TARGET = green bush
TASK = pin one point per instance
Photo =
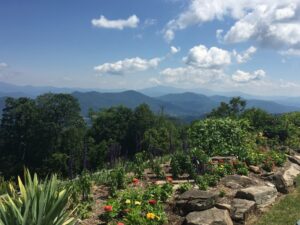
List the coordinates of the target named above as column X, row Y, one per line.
column 223, row 137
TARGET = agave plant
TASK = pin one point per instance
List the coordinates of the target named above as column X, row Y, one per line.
column 38, row 203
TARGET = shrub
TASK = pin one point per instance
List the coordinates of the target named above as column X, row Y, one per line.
column 38, row 203
column 222, row 137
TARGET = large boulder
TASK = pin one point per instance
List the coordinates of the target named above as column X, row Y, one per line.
column 195, row 200
column 212, row 216
column 262, row 195
column 237, row 181
column 241, row 209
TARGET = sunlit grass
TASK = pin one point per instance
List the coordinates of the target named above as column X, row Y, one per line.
column 285, row 212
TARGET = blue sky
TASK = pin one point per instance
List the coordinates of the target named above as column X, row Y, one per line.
column 236, row 45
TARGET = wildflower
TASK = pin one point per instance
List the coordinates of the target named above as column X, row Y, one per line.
column 150, row 216
column 108, row 208
column 135, row 181
column 152, row 202
column 137, row 203
column 127, row 201
column 169, row 179
column 120, row 223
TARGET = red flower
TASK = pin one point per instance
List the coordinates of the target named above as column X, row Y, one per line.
column 108, row 208
column 135, row 180
column 152, row 202
column 120, row 223
column 169, row 179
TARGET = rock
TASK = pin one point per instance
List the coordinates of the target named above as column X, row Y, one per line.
column 237, row 181
column 195, row 200
column 255, row 169
column 290, row 174
column 262, row 195
column 279, row 182
column 212, row 216
column 241, row 209
column 223, row 206
column 295, row 159
column 222, row 159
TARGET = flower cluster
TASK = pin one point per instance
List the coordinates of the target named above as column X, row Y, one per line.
column 137, row 204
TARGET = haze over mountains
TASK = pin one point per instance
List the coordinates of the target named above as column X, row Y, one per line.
column 187, row 104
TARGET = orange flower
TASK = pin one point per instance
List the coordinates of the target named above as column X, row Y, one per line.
column 152, row 202
column 108, row 208
column 120, row 223
column 135, row 181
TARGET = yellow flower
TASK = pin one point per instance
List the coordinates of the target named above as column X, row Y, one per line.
column 137, row 203
column 150, row 216
column 127, row 201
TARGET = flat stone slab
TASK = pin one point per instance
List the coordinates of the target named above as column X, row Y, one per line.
column 195, row 200
column 241, row 209
column 212, row 216
column 262, row 195
column 237, row 181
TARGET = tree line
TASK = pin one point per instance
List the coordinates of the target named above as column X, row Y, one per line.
column 49, row 135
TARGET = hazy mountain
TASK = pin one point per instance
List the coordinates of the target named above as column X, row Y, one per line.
column 174, row 101
column 197, row 104
column 131, row 99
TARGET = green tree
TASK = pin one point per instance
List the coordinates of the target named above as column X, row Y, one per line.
column 232, row 109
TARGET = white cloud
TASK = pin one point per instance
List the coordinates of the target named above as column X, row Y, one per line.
column 120, row 24
column 174, row 50
column 271, row 23
column 3, row 65
column 191, row 75
column 244, row 56
column 245, row 77
column 154, row 81
column 149, row 22
column 201, row 56
column 127, row 66
column 291, row 51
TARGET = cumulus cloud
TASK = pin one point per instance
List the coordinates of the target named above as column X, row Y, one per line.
column 244, row 56
column 245, row 77
column 201, row 56
column 120, row 24
column 127, row 66
column 272, row 23
column 174, row 50
column 3, row 65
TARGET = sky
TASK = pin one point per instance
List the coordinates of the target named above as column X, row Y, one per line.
column 251, row 46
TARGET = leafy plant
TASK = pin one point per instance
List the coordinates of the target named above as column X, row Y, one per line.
column 39, row 203
column 184, row 187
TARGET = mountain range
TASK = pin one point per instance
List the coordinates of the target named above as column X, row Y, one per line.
column 176, row 102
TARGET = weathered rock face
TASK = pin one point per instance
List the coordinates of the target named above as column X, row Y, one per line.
column 241, row 209
column 290, row 174
column 212, row 216
column 295, row 159
column 195, row 200
column 279, row 182
column 237, row 181
column 255, row 169
column 262, row 195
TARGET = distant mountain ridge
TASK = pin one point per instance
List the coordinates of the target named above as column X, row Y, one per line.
column 176, row 103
